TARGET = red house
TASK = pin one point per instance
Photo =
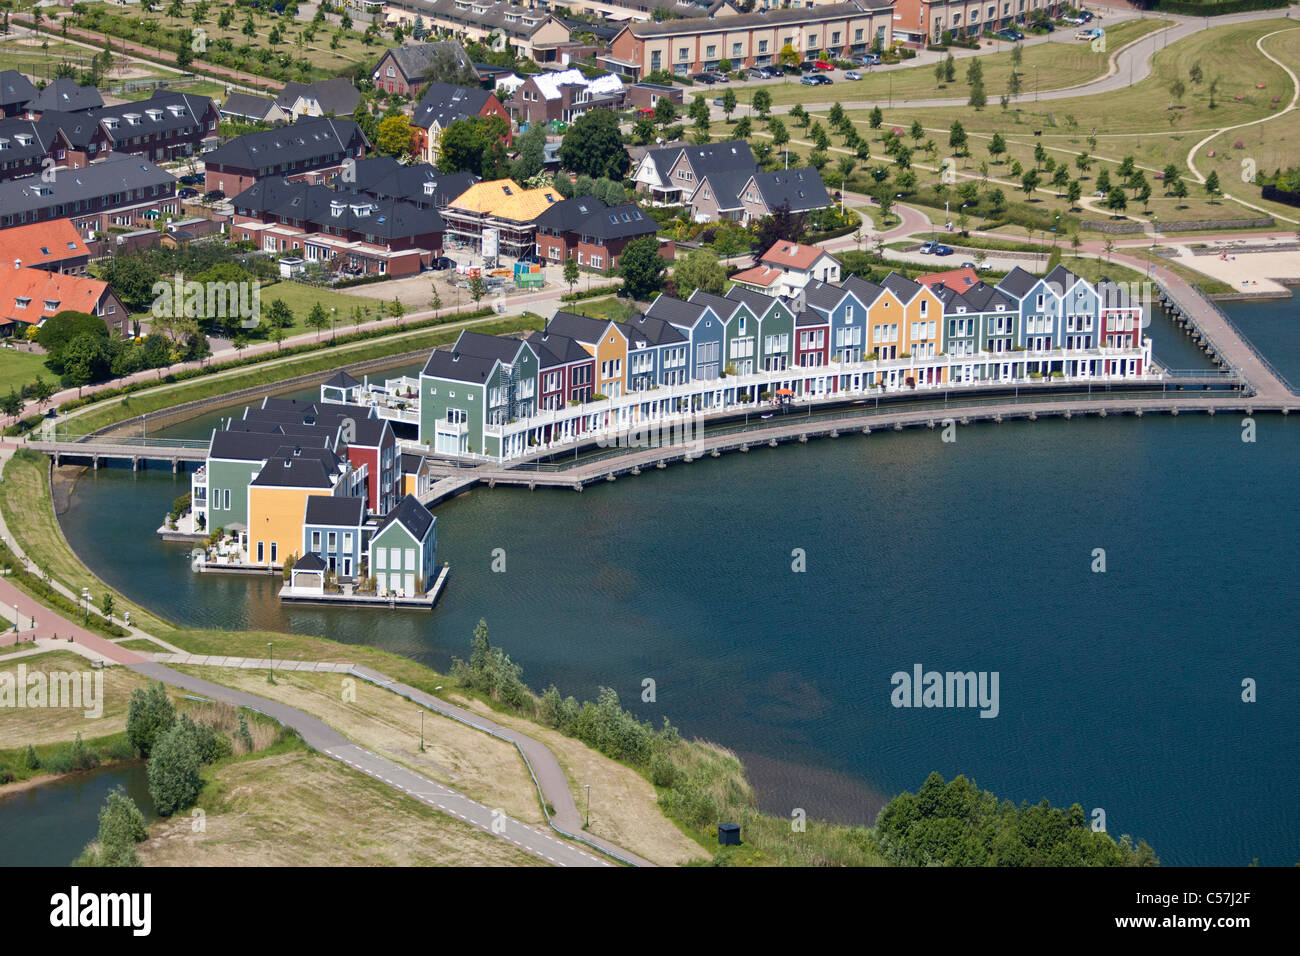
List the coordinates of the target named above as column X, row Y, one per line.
column 565, row 372
column 1120, row 326
column 812, row 339
column 596, row 234
column 373, row 445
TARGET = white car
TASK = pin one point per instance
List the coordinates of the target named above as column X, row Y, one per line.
column 852, row 75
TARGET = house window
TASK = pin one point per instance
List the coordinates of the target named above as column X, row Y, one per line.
column 683, row 53
column 381, row 559
column 315, row 540
column 333, row 540
column 735, row 49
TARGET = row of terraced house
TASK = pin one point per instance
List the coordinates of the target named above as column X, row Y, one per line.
column 502, row 397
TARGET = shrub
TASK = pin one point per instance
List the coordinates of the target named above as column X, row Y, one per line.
column 149, row 714
column 174, row 781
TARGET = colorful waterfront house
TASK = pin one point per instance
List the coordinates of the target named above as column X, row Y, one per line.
column 812, row 335
column 372, row 445
column 466, row 391
column 277, row 501
column 1079, row 310
column 219, row 489
column 418, row 477
column 1040, row 309
column 333, row 530
column 658, row 353
column 845, row 310
column 776, row 328
column 978, row 319
column 604, row 340
column 403, row 550
column 740, row 346
column 566, row 370
column 341, row 388
column 921, row 326
column 1119, row 323
column 706, row 334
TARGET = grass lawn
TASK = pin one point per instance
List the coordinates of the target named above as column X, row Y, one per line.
column 304, row 809
column 143, row 644
column 110, row 411
column 1058, row 65
column 18, row 367
column 47, row 725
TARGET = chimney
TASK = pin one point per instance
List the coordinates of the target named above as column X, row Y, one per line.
column 18, row 263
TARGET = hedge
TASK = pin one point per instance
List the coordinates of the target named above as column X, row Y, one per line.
column 1215, row 8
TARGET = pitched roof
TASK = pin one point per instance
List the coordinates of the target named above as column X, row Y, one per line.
column 120, row 173
column 444, row 103
column 643, row 331
column 342, row 379
column 1114, row 295
column 801, row 189
column 758, row 303
column 722, row 307
column 311, row 561
column 902, row 286
column 726, row 186
column 66, row 96
column 164, row 113
column 1018, row 282
column 867, row 292
column 247, row 105
column 414, row 59
column 33, row 295
column 590, row 216
column 38, row 243
column 554, row 349
column 958, row 279
column 758, row 275
column 678, row 312
column 411, row 515
column 319, row 206
column 335, row 95
column 294, row 472
column 1061, row 278
column 792, row 255
column 473, row 357
column 23, row 140
column 506, row 199
column 15, row 89
column 323, row 139
column 582, row 328
column 346, row 511
column 548, row 84
column 740, row 21
column 732, row 155
column 823, row 295
column 418, row 183
column 241, row 444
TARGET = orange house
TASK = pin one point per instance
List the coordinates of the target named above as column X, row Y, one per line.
column 603, row 340
column 277, row 501
column 920, row 323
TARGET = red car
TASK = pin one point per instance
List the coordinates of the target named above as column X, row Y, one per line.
column 823, row 65
column 645, row 111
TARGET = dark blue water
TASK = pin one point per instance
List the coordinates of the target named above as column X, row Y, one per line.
column 51, row 824
column 1119, row 690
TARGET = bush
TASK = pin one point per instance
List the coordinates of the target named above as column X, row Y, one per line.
column 149, row 714
column 121, row 827
column 174, row 781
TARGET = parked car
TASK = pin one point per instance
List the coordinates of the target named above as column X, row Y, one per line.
column 869, row 59
column 823, row 65
column 816, row 79
column 645, row 111
column 760, row 73
column 1015, row 36
column 191, row 180
column 215, row 195
column 808, row 66
column 442, row 262
column 928, row 248
column 187, row 193
column 720, row 76
column 704, row 78
column 853, row 75
column 941, row 250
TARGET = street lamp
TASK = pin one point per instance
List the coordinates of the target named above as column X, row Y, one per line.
column 270, row 674
column 85, row 596
column 421, row 731
column 588, row 823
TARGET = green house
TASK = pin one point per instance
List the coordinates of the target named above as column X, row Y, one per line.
column 481, row 382
column 402, row 555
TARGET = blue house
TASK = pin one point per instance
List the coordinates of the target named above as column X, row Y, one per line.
column 704, row 330
column 1040, row 310
column 657, row 353
column 333, row 530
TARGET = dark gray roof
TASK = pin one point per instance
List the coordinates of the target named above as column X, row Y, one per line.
column 1018, row 282
column 335, row 95
column 41, row 137
column 289, row 472
column 411, row 515
column 902, row 286
column 15, row 89
column 164, row 114
column 345, row 512
column 809, row 317
column 247, row 105
column 310, row 561
column 983, row 297
column 867, row 292
column 678, row 312
column 414, row 59
column 722, row 307
column 1114, row 295
column 1061, row 279
column 316, row 205
column 66, row 96
column 342, row 379
column 323, row 140
column 800, row 189
column 418, row 183
column 644, row 331
column 446, row 104
column 758, row 303
column 411, row 462
column 580, row 327
column 554, row 349
column 726, row 186
column 473, row 357
column 733, row 155
column 823, row 295
column 120, row 173
column 369, row 432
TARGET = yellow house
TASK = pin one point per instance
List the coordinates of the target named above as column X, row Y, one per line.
column 918, row 313
column 277, row 501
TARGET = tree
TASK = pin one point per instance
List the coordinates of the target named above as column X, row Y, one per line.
column 106, row 605
column 799, row 115
column 173, row 771
column 1016, row 168
column 957, row 138
column 121, row 827
column 593, row 145
column 820, row 138
column 917, row 132
column 1138, row 181
column 975, row 72
column 11, row 404
column 278, row 317
column 977, row 97
column 642, row 269
column 1196, row 74
column 571, row 272
column 1212, row 89
column 1061, row 180
column 744, row 129
column 1014, row 84
column 837, row 118
column 728, row 103
column 779, row 134
column 782, row 225
column 476, row 288
column 532, row 146
column 318, row 319
column 699, row 269
column 42, row 391
column 1040, row 155
column 1126, row 167
column 949, row 69
column 1212, row 188
column 1170, row 175
column 1144, row 194
column 475, row 145
column 1083, row 161
column 762, row 102
column 1116, row 200
column 1074, row 192
column 1103, row 181
column 940, row 74
column 149, row 713
column 1017, row 56
column 1029, row 182
column 240, row 342
column 393, row 136
column 1177, row 88
column 875, row 118
column 1180, row 190
column 997, row 146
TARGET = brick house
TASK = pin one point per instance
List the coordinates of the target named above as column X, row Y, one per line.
column 311, row 149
